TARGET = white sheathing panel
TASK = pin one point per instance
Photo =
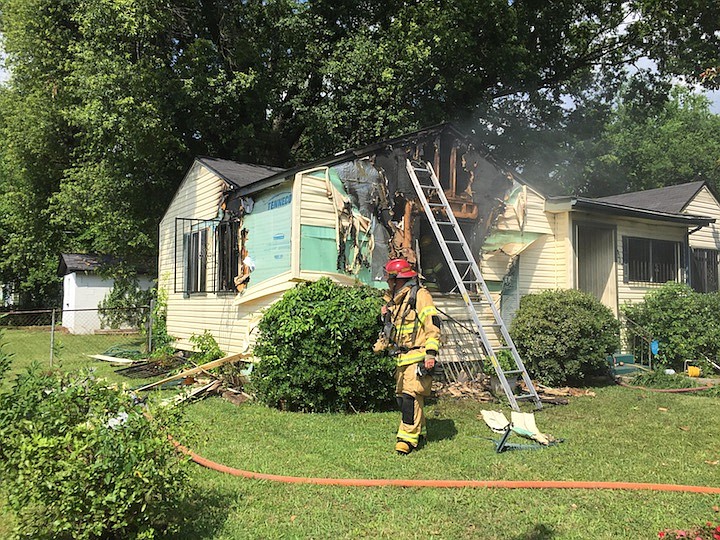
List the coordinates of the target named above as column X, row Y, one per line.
column 705, row 204
column 635, row 292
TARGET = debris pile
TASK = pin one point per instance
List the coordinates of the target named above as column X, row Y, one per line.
column 481, row 389
column 199, row 381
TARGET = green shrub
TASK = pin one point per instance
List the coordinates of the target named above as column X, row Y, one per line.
column 161, row 341
column 564, row 336
column 315, row 350
column 206, row 348
column 80, row 460
column 660, row 379
column 124, row 306
column 684, row 322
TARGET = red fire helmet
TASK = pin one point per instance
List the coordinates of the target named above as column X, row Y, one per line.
column 399, row 268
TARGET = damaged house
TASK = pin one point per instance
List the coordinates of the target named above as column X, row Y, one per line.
column 236, row 236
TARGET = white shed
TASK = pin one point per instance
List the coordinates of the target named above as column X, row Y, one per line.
column 83, row 290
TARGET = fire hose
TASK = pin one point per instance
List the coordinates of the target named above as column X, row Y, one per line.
column 414, row 483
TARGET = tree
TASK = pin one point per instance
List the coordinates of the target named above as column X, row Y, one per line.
column 118, row 97
column 679, row 143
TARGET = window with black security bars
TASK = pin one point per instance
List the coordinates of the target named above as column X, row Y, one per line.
column 704, row 270
column 228, row 254
column 648, row 260
column 194, row 256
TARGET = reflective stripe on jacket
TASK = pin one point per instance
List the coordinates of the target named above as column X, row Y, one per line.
column 414, row 331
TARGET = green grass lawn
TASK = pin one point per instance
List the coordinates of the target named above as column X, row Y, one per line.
column 70, row 351
column 619, row 435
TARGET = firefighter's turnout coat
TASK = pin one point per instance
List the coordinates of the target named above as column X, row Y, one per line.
column 411, row 329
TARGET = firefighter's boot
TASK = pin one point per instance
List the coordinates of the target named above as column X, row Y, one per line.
column 403, row 448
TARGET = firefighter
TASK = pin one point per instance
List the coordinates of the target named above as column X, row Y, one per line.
column 411, row 331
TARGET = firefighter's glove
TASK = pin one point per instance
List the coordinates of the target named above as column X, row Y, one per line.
column 428, row 365
column 429, row 362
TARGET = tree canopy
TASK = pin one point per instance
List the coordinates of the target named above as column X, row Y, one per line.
column 109, row 101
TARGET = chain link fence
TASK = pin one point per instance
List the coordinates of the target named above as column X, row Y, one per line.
column 49, row 335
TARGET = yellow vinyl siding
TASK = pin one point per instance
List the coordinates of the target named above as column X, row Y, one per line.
column 704, row 204
column 316, row 207
column 228, row 317
column 635, row 292
column 537, row 220
column 198, row 197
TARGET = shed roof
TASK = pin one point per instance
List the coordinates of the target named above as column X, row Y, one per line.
column 82, row 262
column 92, row 262
column 671, row 199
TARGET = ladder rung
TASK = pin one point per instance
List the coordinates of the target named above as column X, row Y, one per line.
column 477, row 295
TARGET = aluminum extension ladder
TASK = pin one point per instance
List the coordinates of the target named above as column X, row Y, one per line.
column 466, row 274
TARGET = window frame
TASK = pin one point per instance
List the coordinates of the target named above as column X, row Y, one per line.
column 227, row 235
column 699, row 275
column 651, row 266
column 195, row 260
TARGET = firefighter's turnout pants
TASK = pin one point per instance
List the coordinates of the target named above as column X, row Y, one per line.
column 410, row 391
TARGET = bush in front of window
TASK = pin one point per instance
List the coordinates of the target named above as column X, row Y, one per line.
column 564, row 336
column 315, row 350
column 684, row 323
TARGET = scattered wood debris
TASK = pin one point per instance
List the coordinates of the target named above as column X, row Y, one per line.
column 476, row 390
column 199, row 369
column 192, row 392
column 480, row 390
column 565, row 391
column 236, row 397
column 150, row 368
column 113, row 359
column 199, row 382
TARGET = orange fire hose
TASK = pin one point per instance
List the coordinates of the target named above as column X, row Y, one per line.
column 665, row 390
column 511, row 484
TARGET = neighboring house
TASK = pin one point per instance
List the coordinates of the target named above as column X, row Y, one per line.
column 701, row 259
column 344, row 217
column 83, row 290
